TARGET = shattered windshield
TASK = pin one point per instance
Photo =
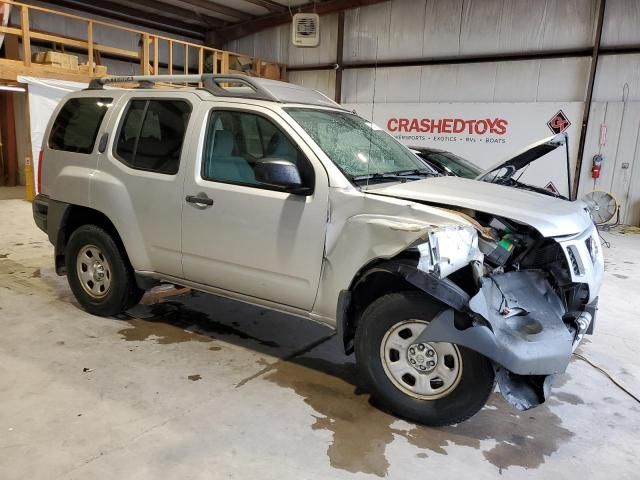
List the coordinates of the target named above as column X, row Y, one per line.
column 359, row 148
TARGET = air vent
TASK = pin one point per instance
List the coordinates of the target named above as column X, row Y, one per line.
column 305, row 31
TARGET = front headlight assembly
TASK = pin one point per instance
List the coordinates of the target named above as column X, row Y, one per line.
column 449, row 249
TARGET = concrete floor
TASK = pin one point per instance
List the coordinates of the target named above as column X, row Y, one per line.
column 9, row 193
column 201, row 387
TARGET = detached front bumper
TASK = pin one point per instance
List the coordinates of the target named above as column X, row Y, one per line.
column 516, row 320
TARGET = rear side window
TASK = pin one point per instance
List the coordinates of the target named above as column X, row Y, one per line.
column 76, row 126
column 151, row 135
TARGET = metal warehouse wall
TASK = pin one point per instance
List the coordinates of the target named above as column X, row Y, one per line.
column 411, row 29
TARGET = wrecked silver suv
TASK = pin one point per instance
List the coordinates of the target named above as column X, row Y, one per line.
column 272, row 194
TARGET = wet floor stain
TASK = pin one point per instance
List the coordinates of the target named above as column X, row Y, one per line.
column 361, row 432
column 568, row 398
column 624, row 277
column 173, row 322
column 195, row 377
column 36, row 273
column 215, row 349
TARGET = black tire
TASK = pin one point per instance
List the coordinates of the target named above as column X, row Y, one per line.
column 123, row 292
column 476, row 379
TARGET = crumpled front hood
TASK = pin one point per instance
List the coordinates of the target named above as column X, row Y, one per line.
column 552, row 217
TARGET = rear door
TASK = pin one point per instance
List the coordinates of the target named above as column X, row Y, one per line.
column 138, row 184
column 250, row 238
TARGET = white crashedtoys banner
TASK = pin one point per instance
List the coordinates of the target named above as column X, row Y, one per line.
column 485, row 133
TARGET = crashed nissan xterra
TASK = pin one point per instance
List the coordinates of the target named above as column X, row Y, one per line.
column 273, row 194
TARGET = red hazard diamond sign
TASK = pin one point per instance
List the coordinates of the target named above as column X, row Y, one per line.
column 559, row 122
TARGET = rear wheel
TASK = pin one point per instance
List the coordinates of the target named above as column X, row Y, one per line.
column 99, row 272
column 434, row 383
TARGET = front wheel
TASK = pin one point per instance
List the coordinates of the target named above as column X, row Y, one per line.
column 99, row 272
column 434, row 383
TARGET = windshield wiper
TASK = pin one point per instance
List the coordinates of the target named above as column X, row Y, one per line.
column 416, row 172
column 392, row 175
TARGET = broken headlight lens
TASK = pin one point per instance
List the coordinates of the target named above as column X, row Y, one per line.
column 448, row 249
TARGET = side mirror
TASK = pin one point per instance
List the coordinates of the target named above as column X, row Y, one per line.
column 280, row 173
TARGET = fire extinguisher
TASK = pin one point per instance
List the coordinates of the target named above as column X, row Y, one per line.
column 596, row 167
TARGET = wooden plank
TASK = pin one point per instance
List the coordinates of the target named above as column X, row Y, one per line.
column 11, row 30
column 26, row 39
column 170, row 61
column 186, row 59
column 200, row 61
column 224, row 67
column 156, row 54
column 72, row 42
column 214, row 62
column 117, row 51
column 90, row 47
column 144, row 55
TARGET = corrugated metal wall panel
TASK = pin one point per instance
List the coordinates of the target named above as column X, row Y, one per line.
column 621, row 23
column 536, row 80
column 614, row 72
column 428, row 28
column 323, row 81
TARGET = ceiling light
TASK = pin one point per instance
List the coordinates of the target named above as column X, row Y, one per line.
column 12, row 88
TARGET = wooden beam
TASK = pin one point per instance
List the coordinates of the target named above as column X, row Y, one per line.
column 216, row 8
column 252, row 26
column 90, row 47
column 156, row 54
column 116, row 11
column 26, row 39
column 273, row 7
column 170, row 60
column 144, row 54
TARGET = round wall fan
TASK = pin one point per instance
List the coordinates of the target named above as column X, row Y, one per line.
column 602, row 206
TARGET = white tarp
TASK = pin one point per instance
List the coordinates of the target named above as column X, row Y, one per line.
column 5, row 11
column 484, row 133
column 44, row 96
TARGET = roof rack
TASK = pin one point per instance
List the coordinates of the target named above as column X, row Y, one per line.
column 210, row 82
column 256, row 88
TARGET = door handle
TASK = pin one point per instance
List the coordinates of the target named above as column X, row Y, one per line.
column 200, row 200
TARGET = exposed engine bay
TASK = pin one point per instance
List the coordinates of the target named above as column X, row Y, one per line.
column 513, row 295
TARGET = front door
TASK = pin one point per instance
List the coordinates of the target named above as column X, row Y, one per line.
column 243, row 236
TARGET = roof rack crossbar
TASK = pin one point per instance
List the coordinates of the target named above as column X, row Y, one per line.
column 211, row 82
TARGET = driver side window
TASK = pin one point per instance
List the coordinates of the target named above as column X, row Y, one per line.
column 235, row 141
